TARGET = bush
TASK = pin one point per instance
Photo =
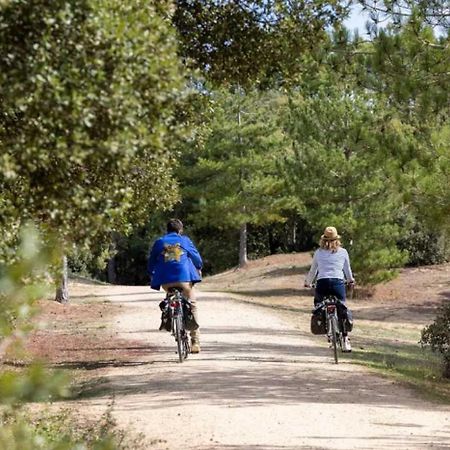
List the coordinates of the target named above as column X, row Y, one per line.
column 437, row 336
column 424, row 247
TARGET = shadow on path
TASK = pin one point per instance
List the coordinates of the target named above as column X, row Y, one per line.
column 256, row 374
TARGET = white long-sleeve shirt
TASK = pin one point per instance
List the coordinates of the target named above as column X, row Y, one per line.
column 326, row 264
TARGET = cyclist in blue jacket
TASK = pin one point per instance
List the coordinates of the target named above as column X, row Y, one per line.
column 175, row 262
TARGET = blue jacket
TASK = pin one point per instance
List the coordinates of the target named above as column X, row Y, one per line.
column 173, row 258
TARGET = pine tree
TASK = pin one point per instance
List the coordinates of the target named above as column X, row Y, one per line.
column 410, row 74
column 341, row 169
column 365, row 128
column 235, row 179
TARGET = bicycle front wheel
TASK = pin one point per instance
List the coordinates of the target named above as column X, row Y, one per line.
column 334, row 331
column 179, row 337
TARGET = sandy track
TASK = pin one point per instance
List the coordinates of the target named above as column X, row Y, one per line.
column 259, row 383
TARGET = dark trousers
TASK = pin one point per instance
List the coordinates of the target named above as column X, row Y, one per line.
column 329, row 286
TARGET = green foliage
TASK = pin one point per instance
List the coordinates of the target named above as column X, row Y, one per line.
column 423, row 246
column 434, row 13
column 437, row 336
column 90, row 262
column 89, row 135
column 235, row 178
column 219, row 248
column 430, row 194
column 411, row 67
column 63, row 430
column 368, row 127
column 92, row 92
column 341, row 169
column 130, row 257
column 35, row 384
column 294, row 235
column 410, row 71
column 22, row 283
column 369, row 131
column 245, row 42
column 124, row 259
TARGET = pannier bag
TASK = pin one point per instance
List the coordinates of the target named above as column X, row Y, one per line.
column 318, row 325
column 166, row 320
column 346, row 316
column 318, row 321
column 189, row 320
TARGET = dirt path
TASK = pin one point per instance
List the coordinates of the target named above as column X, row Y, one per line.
column 259, row 383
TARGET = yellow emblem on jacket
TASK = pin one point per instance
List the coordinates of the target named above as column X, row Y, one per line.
column 172, row 252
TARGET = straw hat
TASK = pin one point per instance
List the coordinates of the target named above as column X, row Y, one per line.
column 330, row 234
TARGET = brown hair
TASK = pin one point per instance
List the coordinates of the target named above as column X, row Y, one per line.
column 175, row 225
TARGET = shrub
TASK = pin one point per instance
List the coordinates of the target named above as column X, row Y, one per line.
column 424, row 247
column 437, row 336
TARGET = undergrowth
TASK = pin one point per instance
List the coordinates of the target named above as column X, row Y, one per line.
column 64, row 430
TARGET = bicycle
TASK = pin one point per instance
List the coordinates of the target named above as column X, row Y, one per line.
column 172, row 305
column 333, row 324
column 331, row 316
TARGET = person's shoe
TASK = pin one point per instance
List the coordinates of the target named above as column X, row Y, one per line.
column 195, row 347
column 347, row 347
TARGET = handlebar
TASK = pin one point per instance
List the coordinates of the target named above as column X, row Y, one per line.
column 347, row 283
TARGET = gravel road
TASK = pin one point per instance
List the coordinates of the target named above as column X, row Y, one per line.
column 258, row 383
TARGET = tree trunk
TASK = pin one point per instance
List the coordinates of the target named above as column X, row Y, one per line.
column 446, row 367
column 62, row 291
column 243, row 246
column 272, row 248
column 243, row 229
column 112, row 275
column 112, row 266
column 294, row 234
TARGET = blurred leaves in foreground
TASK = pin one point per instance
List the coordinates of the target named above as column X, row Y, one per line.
column 62, row 430
column 21, row 284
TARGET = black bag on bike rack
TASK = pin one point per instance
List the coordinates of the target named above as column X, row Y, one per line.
column 318, row 323
column 349, row 321
column 346, row 316
column 189, row 319
column 166, row 320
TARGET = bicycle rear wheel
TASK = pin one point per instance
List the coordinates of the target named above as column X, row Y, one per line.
column 179, row 337
column 334, row 331
column 186, row 346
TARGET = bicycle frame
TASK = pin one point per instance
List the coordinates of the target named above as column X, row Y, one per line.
column 334, row 331
column 175, row 304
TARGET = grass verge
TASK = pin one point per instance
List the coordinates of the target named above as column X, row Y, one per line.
column 394, row 351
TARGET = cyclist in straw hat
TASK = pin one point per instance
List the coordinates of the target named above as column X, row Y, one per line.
column 331, row 268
